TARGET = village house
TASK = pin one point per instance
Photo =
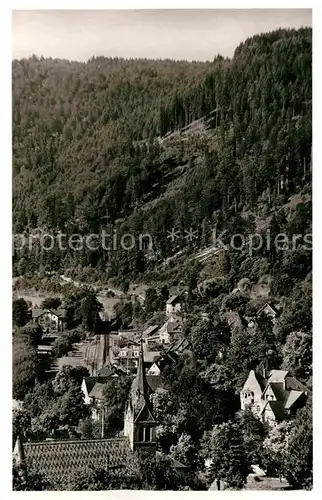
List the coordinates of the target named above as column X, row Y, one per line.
column 273, row 398
column 205, row 316
column 140, row 297
column 170, row 331
column 268, row 310
column 169, row 357
column 126, row 355
column 152, row 341
column 173, row 305
column 150, row 331
column 151, row 335
column 96, row 397
column 88, row 384
column 104, row 316
column 155, row 368
column 167, row 333
column 51, row 321
column 17, row 404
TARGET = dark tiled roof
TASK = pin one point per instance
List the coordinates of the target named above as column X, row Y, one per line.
column 178, row 465
column 173, row 327
column 62, row 313
column 179, row 346
column 273, row 310
column 106, row 371
column 55, row 458
column 98, row 391
column 36, row 313
column 91, row 381
column 151, row 329
column 277, row 409
column 293, row 396
column 261, row 380
column 279, row 392
column 154, row 382
column 173, row 299
column 293, row 384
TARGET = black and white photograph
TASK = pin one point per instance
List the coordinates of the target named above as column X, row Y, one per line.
column 161, row 249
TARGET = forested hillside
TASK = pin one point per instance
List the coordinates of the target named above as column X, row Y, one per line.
column 176, row 150
column 95, row 138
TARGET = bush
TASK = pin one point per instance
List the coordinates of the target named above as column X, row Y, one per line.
column 25, row 366
column 61, row 346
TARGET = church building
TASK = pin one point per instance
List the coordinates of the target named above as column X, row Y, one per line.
column 139, row 421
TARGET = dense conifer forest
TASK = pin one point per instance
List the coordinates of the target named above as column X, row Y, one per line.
column 90, row 139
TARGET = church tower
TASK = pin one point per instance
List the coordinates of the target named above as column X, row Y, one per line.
column 139, row 421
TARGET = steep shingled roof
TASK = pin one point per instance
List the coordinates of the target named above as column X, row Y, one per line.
column 293, row 396
column 98, row 391
column 277, row 376
column 272, row 309
column 174, row 299
column 36, row 313
column 277, row 408
column 179, row 346
column 282, row 383
column 150, row 330
column 92, row 380
column 142, row 387
column 154, row 382
column 255, row 381
column 57, row 458
column 279, row 392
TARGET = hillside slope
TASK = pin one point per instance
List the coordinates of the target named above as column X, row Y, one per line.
column 139, row 146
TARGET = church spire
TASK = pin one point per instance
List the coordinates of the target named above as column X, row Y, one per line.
column 139, row 422
column 141, row 385
column 19, row 452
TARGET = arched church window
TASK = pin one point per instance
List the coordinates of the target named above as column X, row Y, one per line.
column 141, row 434
column 147, row 436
